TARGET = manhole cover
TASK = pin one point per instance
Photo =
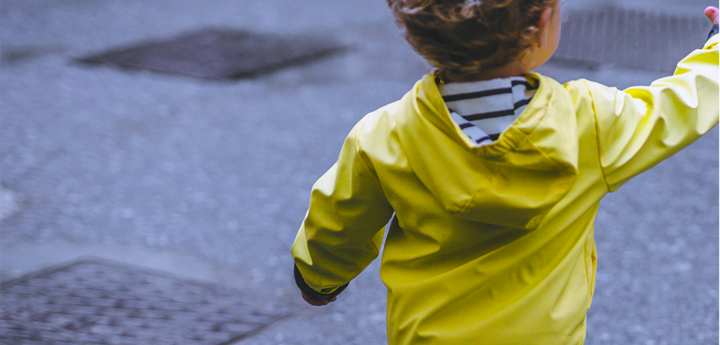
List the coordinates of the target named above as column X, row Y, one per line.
column 92, row 301
column 218, row 53
column 632, row 38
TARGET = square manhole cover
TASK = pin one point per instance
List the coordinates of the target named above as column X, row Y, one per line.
column 93, row 301
column 631, row 38
column 218, row 53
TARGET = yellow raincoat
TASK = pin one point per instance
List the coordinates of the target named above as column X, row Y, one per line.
column 494, row 244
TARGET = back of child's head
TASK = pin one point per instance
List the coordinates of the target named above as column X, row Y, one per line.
column 463, row 37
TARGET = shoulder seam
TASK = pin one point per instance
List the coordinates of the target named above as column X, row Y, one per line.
column 597, row 136
column 357, row 146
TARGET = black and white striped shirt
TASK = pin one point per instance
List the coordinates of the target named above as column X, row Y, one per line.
column 484, row 109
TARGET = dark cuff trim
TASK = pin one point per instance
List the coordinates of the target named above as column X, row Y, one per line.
column 714, row 31
column 318, row 296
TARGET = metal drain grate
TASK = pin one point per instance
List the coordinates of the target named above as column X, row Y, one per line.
column 92, row 301
column 631, row 38
column 218, row 54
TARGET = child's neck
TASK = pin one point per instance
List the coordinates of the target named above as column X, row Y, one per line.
column 513, row 69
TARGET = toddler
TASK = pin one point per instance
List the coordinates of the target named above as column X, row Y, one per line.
column 491, row 177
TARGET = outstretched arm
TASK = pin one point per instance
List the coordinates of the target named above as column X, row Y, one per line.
column 641, row 126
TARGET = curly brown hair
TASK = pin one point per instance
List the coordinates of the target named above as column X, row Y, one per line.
column 464, row 37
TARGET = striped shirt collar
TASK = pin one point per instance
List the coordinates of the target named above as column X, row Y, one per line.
column 484, row 109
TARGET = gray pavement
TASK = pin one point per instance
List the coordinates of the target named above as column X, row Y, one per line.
column 210, row 180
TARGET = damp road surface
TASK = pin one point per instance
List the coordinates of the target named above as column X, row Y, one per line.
column 204, row 180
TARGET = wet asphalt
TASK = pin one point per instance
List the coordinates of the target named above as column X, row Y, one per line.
column 210, row 179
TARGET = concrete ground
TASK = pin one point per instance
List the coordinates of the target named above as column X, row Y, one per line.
column 211, row 179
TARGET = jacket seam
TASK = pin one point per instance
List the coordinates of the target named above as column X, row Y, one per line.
column 357, row 148
column 596, row 123
column 587, row 273
column 367, row 164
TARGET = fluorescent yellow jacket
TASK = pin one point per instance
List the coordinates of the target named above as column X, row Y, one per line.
column 494, row 244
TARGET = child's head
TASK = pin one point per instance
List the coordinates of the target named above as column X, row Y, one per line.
column 465, row 38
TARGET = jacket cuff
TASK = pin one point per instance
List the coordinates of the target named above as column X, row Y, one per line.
column 713, row 31
column 318, row 296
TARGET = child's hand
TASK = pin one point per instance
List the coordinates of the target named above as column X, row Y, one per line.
column 317, row 303
column 712, row 14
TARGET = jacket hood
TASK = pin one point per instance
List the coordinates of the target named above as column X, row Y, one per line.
column 513, row 182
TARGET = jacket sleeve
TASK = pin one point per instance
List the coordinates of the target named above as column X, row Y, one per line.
column 343, row 229
column 639, row 127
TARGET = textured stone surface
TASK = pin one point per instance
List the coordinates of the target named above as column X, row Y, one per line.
column 94, row 301
column 217, row 53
